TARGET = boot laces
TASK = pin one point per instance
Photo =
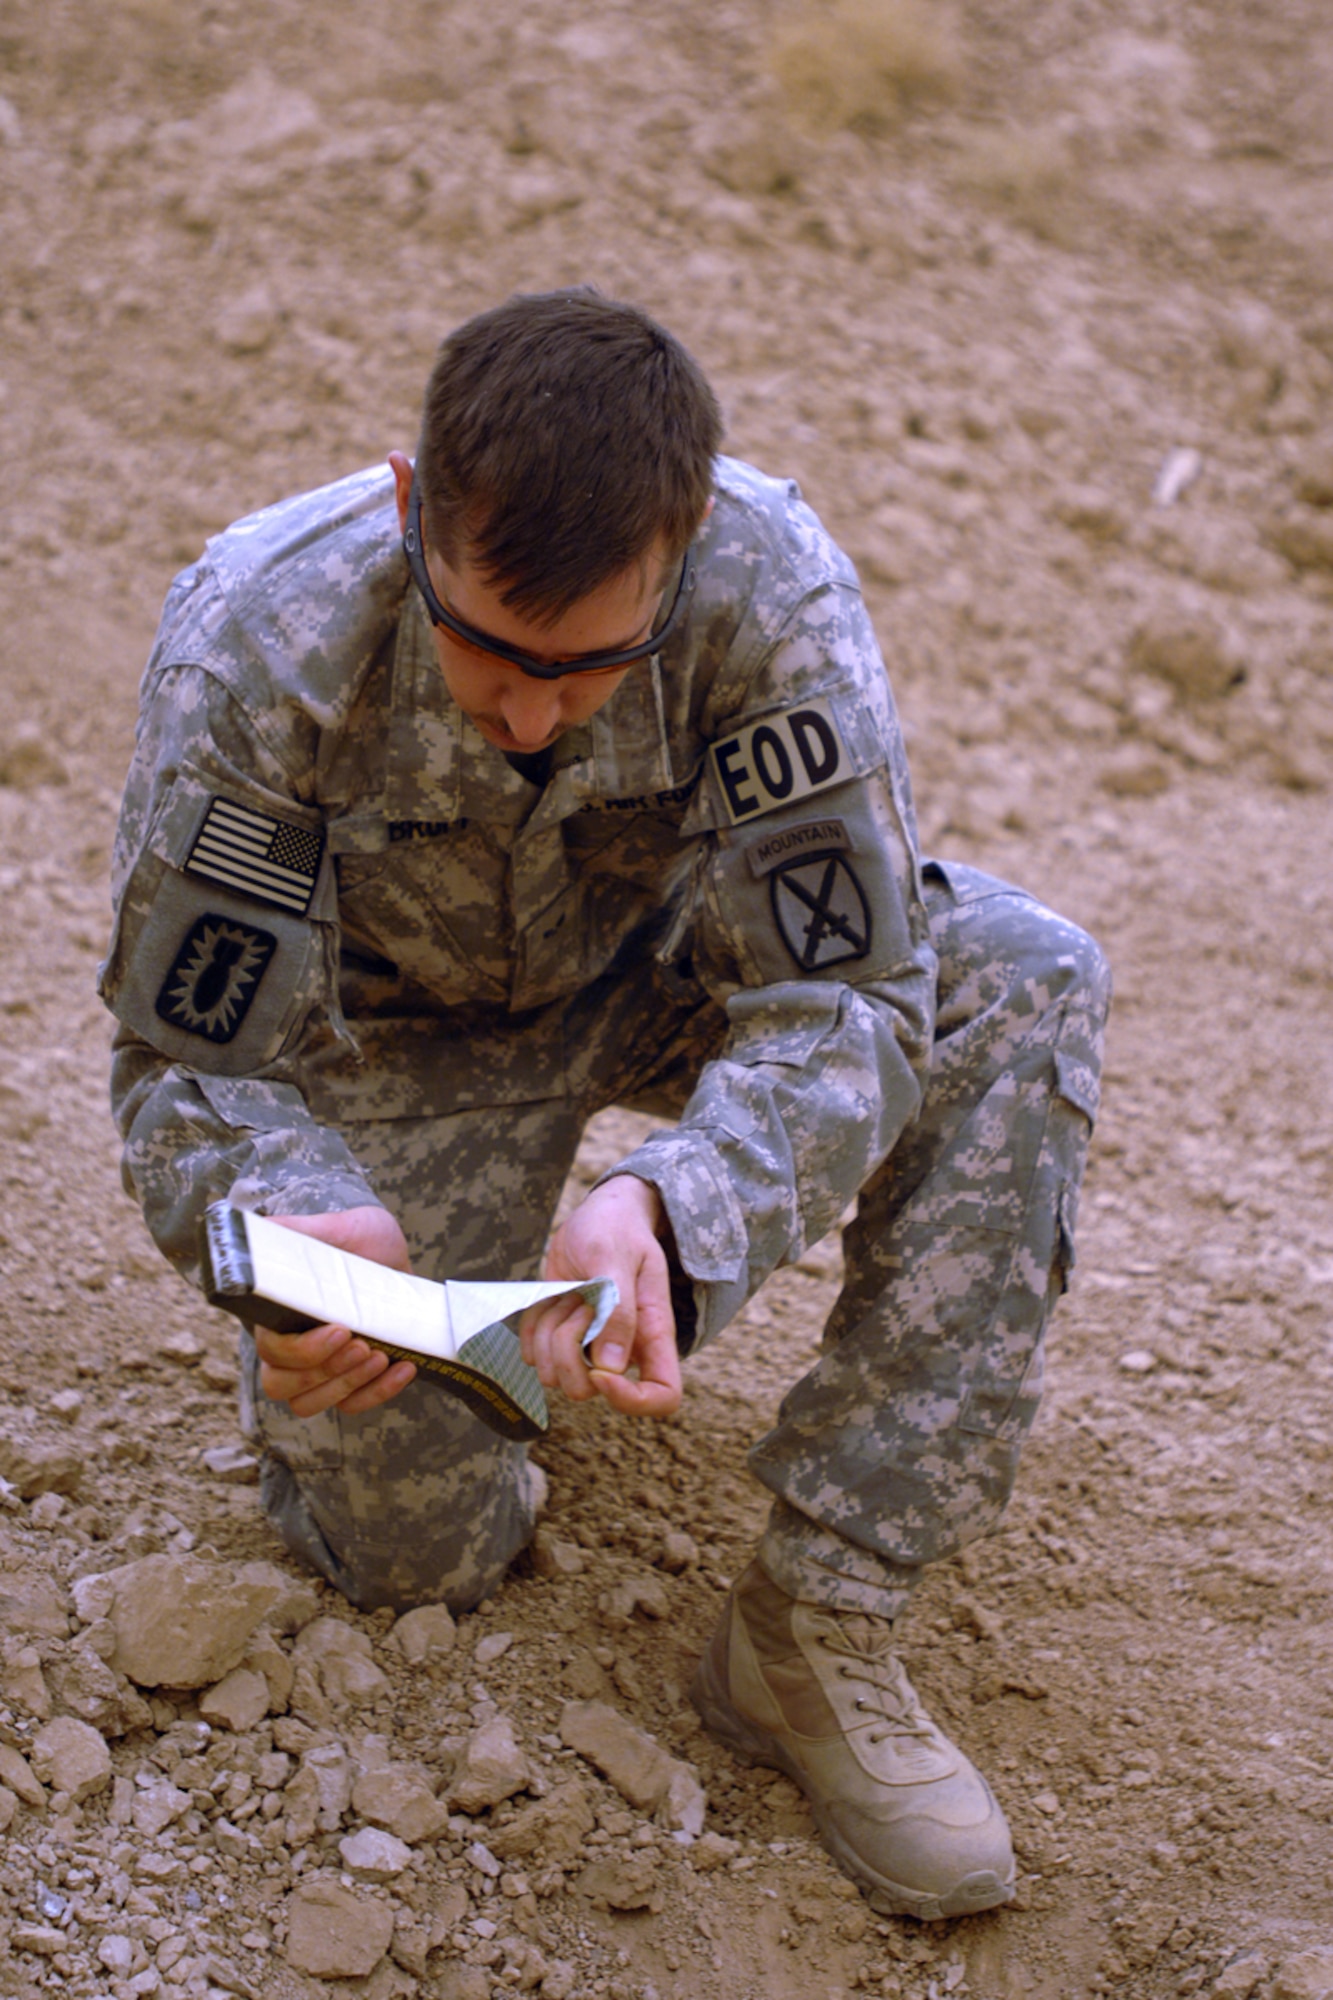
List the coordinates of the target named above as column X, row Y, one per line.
column 864, row 1646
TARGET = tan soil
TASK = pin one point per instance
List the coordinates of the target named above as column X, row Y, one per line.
column 1079, row 236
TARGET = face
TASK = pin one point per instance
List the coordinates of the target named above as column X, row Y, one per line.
column 511, row 709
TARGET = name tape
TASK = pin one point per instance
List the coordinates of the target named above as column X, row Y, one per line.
column 787, row 757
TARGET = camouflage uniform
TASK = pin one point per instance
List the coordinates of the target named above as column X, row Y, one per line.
column 359, row 957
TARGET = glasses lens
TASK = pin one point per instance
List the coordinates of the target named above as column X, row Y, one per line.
column 545, row 670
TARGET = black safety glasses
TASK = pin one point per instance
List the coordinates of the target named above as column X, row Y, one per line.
column 528, row 663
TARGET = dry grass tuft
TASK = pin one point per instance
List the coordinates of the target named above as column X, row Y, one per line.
column 861, row 64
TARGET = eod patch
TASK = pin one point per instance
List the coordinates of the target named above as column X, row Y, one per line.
column 215, row 976
column 788, row 756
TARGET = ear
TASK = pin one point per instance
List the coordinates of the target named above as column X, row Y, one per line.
column 401, row 467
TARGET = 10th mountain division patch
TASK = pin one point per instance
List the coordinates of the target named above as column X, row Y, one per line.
column 821, row 911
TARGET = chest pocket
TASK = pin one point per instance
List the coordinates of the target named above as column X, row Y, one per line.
column 435, row 905
column 225, row 933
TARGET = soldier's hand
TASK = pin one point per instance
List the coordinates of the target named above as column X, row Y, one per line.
column 612, row 1234
column 328, row 1365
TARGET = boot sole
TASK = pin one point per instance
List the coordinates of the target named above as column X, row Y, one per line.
column 981, row 1891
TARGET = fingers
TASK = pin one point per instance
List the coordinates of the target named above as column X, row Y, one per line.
column 655, row 1357
column 327, row 1366
column 552, row 1341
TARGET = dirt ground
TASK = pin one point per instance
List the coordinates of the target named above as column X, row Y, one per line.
column 1037, row 303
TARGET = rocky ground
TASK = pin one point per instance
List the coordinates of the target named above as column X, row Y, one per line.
column 1038, row 305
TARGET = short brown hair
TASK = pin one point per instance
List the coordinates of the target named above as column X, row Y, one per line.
column 563, row 435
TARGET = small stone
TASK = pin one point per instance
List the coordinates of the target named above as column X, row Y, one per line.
column 184, row 1623
column 1238, row 1980
column 484, row 1861
column 1131, row 772
column 1191, row 652
column 713, row 1850
column 184, row 1347
column 342, row 1658
column 153, row 1868
column 9, row 1805
column 156, row 1807
column 401, row 1799
column 220, row 1373
column 560, row 1981
column 686, row 1801
column 425, row 1634
column 553, row 1826
column 16, row 1773
column 635, row 1763
column 38, row 1465
column 553, row 1557
column 632, row 1884
column 263, row 1655
column 116, row 1953
column 374, row 1854
column 233, row 1840
column 249, row 322
column 232, row 1464
column 465, row 1982
column 23, row 1684
column 679, row 1551
column 40, row 1939
column 492, row 1767
column 333, row 1933
column 1138, row 1361
column 66, row 1404
column 46, row 1511
column 618, row 1605
column 35, row 1609
column 1046, row 1802
column 1090, row 511
column 1305, row 1975
column 492, row 1648
column 239, row 1701
column 70, row 1756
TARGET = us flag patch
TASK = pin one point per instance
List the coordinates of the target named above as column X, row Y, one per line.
column 274, row 860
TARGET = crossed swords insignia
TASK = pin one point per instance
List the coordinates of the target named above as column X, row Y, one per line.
column 821, row 911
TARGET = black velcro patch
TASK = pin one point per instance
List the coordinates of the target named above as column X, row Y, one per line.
column 821, row 911
column 215, row 976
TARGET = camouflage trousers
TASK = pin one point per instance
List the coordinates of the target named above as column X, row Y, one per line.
column 902, row 1443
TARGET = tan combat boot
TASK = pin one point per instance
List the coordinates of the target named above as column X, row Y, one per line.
column 820, row 1695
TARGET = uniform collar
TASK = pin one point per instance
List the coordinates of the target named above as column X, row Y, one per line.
column 439, row 767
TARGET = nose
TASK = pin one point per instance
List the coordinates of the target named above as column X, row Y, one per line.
column 531, row 709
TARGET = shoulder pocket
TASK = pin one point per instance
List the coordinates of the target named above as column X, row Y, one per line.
column 220, row 942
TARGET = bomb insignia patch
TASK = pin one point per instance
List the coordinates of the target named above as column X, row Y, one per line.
column 821, row 911
column 215, row 976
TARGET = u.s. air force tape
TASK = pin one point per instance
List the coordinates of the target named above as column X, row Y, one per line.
column 788, row 756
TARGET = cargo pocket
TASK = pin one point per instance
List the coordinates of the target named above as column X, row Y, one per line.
column 1005, row 1387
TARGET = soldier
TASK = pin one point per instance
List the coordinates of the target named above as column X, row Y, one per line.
column 559, row 770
